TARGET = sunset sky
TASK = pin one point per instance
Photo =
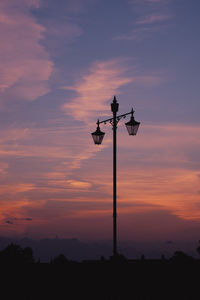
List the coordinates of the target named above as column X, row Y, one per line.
column 61, row 63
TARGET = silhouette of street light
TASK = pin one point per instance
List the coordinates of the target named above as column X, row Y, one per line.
column 132, row 127
column 98, row 135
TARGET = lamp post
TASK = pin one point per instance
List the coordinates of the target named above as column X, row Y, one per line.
column 132, row 127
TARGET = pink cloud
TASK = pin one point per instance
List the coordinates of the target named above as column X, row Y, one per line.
column 57, row 146
column 95, row 88
column 149, row 2
column 3, row 169
column 154, row 18
column 151, row 18
column 15, row 189
column 155, row 172
column 140, row 33
column 19, row 4
column 156, row 168
column 34, row 142
column 103, row 80
column 25, row 67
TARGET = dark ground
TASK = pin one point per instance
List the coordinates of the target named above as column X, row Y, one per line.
column 124, row 280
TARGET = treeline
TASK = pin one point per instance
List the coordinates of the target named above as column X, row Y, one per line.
column 111, row 279
column 14, row 253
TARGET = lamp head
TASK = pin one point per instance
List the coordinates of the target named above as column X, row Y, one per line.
column 98, row 135
column 132, row 126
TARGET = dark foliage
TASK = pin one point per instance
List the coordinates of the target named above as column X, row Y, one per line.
column 113, row 279
column 14, row 254
column 60, row 260
column 180, row 256
column 198, row 248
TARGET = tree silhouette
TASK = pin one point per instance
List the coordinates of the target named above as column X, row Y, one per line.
column 180, row 256
column 14, row 254
column 60, row 260
column 198, row 248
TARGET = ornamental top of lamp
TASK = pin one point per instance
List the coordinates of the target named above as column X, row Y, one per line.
column 132, row 126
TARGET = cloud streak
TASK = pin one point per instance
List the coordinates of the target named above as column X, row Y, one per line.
column 153, row 17
column 53, row 179
column 166, row 179
column 95, row 88
column 103, row 79
column 26, row 67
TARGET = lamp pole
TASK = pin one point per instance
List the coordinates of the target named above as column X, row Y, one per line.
column 114, row 109
column 132, row 127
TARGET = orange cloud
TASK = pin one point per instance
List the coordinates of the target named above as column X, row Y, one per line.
column 159, row 167
column 156, row 167
column 58, row 143
column 79, row 184
column 14, row 189
column 156, row 171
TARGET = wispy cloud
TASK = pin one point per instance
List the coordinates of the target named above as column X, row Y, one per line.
column 152, row 17
column 95, row 88
column 25, row 65
column 139, row 33
column 167, row 178
column 103, row 80
column 149, row 2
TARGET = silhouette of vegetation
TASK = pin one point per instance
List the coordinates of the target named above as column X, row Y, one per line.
column 198, row 248
column 180, row 256
column 118, row 258
column 60, row 260
column 14, row 254
column 104, row 279
column 142, row 257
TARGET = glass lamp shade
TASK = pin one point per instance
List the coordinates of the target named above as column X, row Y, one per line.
column 98, row 136
column 132, row 126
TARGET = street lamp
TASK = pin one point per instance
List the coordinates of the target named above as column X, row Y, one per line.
column 132, row 127
column 98, row 135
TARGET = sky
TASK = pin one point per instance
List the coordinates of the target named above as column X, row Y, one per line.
column 61, row 63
